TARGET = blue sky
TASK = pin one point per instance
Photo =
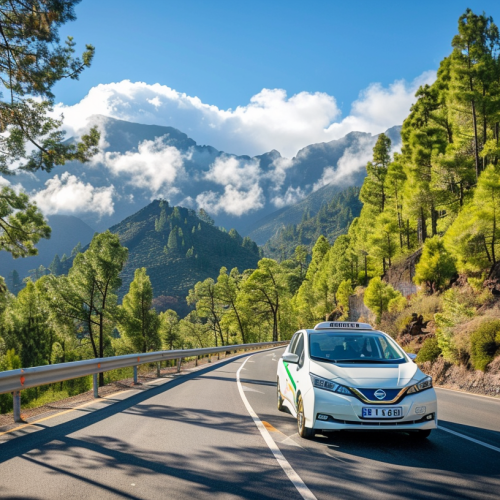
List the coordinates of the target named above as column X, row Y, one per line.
column 225, row 52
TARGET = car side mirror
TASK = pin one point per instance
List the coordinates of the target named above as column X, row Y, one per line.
column 411, row 356
column 290, row 358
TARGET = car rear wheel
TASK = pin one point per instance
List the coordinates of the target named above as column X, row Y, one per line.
column 280, row 397
column 304, row 432
column 418, row 435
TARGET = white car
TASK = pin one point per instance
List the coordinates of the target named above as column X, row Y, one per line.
column 348, row 376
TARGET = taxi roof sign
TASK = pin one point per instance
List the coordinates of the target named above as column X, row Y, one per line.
column 343, row 325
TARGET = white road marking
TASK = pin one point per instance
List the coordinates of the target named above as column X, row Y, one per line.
column 304, row 491
column 463, row 436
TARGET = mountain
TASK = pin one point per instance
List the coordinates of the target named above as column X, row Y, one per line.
column 332, row 220
column 178, row 249
column 139, row 163
column 264, row 229
column 67, row 232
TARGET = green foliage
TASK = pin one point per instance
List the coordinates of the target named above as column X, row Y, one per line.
column 475, row 234
column 28, row 320
column 429, row 351
column 455, row 311
column 485, row 343
column 378, row 296
column 138, row 321
column 33, row 61
column 436, row 265
column 86, row 297
column 161, row 221
column 170, row 329
column 344, row 291
column 21, row 223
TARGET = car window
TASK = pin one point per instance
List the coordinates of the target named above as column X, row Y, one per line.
column 293, row 342
column 299, row 345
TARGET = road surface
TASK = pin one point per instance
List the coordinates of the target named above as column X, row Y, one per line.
column 193, row 438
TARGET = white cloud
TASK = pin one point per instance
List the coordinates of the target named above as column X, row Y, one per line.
column 271, row 120
column 154, row 166
column 229, row 170
column 232, row 201
column 292, row 196
column 68, row 194
column 352, row 161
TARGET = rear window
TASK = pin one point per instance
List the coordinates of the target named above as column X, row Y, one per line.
column 358, row 347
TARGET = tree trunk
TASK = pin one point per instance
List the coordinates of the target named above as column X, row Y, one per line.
column 366, row 272
column 423, row 226
column 476, row 146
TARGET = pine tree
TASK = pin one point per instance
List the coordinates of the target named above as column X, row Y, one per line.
column 55, row 266
column 373, row 191
column 172, row 243
column 87, row 293
column 436, row 265
column 170, row 329
column 76, row 250
column 138, row 321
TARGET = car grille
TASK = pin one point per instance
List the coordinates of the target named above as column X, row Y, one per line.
column 380, row 424
column 368, row 395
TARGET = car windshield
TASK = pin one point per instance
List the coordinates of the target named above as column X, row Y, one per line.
column 344, row 347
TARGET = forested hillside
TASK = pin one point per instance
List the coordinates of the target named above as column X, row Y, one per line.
column 179, row 247
column 332, row 220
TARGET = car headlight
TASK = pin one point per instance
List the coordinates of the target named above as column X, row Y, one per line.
column 328, row 385
column 424, row 384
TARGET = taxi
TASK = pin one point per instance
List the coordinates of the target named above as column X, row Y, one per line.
column 348, row 376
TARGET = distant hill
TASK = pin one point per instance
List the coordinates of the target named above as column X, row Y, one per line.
column 67, row 232
column 332, row 220
column 178, row 249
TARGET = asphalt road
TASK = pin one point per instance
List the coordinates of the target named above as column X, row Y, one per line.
column 193, row 438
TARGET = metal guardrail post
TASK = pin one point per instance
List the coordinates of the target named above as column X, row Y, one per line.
column 158, row 374
column 136, row 382
column 179, row 362
column 16, row 395
column 96, row 385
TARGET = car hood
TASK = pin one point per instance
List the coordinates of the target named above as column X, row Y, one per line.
column 366, row 376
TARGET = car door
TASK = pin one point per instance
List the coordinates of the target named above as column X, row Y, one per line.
column 293, row 370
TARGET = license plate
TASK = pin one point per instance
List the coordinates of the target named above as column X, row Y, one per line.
column 379, row 413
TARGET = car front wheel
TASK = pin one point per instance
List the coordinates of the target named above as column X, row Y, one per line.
column 304, row 432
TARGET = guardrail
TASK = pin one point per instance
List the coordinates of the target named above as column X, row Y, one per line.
column 16, row 380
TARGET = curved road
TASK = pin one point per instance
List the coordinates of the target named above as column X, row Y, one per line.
column 193, row 437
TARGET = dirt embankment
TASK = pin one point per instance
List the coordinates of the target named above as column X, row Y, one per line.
column 458, row 377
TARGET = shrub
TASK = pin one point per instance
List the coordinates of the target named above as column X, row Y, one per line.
column 429, row 351
column 484, row 344
column 436, row 265
column 378, row 295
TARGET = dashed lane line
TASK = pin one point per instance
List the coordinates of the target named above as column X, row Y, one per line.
column 296, row 480
column 463, row 436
